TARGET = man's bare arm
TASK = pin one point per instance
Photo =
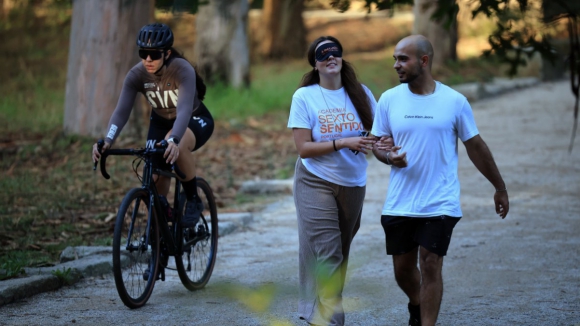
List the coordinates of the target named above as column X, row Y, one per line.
column 482, row 158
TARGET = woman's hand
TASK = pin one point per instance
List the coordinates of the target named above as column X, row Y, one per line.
column 385, row 143
column 96, row 153
column 171, row 153
column 361, row 144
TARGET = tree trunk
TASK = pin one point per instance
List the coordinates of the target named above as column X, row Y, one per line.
column 284, row 30
column 221, row 46
column 5, row 7
column 102, row 50
column 444, row 40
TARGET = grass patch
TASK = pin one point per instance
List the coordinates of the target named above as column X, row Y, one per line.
column 271, row 90
column 63, row 275
column 10, row 268
column 39, row 110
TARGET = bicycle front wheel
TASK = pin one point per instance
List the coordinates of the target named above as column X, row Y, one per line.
column 135, row 251
column 199, row 249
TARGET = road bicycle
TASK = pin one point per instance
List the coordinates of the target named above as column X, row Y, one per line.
column 148, row 230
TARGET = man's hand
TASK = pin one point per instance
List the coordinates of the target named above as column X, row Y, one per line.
column 502, row 203
column 398, row 160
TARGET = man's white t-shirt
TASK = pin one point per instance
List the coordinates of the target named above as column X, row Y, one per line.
column 331, row 115
column 427, row 128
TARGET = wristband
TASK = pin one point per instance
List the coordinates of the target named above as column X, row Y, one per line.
column 499, row 190
column 334, row 145
column 389, row 162
column 174, row 140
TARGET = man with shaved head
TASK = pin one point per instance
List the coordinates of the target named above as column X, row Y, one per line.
column 425, row 118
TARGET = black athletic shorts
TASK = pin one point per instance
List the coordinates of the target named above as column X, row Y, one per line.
column 201, row 124
column 403, row 234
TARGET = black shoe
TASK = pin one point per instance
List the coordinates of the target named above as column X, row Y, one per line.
column 193, row 209
column 415, row 312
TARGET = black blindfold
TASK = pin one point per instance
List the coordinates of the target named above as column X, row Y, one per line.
column 326, row 50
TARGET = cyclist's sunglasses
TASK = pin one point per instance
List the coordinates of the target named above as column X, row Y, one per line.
column 154, row 54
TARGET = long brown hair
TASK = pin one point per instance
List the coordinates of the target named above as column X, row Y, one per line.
column 199, row 84
column 353, row 87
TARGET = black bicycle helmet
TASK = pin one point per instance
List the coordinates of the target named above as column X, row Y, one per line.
column 155, row 36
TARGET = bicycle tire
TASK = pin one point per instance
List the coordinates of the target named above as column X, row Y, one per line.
column 131, row 255
column 195, row 263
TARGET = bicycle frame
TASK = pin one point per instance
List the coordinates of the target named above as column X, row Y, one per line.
column 154, row 205
column 153, row 240
column 169, row 236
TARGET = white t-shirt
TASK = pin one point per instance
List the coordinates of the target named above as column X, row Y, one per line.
column 330, row 114
column 427, row 128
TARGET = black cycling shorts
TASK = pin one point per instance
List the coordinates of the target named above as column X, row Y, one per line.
column 201, row 124
column 403, row 234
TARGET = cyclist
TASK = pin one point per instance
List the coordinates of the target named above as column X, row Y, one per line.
column 175, row 92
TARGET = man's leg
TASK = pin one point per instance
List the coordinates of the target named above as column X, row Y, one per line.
column 401, row 244
column 431, row 286
column 407, row 275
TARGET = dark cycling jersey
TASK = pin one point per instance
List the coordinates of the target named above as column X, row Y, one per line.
column 176, row 77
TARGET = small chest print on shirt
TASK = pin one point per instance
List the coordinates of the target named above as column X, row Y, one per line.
column 418, row 117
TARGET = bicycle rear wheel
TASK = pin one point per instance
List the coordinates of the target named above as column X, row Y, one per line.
column 133, row 252
column 199, row 250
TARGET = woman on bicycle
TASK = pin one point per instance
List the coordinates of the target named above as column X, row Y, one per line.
column 175, row 92
column 329, row 116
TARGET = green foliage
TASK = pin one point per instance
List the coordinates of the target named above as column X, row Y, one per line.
column 509, row 43
column 35, row 44
column 513, row 46
column 446, row 13
column 35, row 111
column 11, row 268
column 27, row 257
column 259, row 299
column 107, row 242
column 38, row 198
column 257, row 4
column 64, row 275
column 271, row 90
column 496, row 7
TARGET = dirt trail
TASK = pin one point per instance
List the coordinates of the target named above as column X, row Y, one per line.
column 524, row 270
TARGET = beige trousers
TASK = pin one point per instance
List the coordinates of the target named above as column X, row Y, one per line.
column 328, row 219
